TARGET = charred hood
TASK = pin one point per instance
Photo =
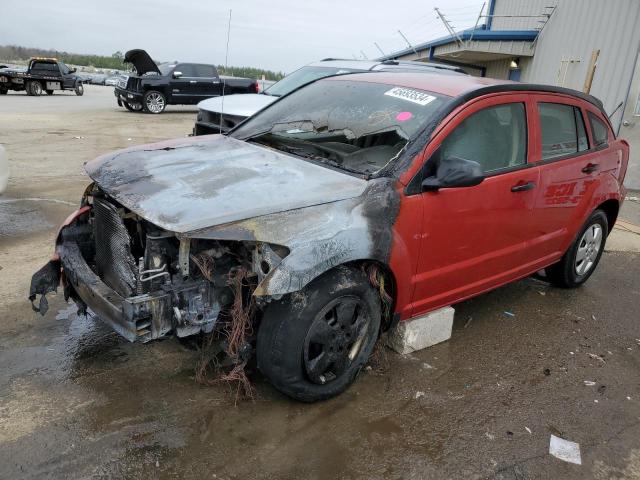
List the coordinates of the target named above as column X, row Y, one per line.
column 192, row 184
column 141, row 61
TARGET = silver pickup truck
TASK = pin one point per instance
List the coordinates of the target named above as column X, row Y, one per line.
column 221, row 114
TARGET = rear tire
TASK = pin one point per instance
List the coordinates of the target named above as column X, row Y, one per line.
column 154, row 102
column 582, row 257
column 312, row 343
column 79, row 89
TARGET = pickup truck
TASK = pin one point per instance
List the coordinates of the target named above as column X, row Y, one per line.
column 153, row 87
column 42, row 75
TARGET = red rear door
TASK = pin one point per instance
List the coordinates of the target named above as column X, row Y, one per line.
column 571, row 169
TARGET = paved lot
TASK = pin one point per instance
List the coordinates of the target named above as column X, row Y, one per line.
column 76, row 401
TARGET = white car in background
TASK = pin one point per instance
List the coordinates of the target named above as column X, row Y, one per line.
column 4, row 170
column 221, row 114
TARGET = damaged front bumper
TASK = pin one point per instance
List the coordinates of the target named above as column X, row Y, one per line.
column 158, row 303
column 127, row 96
column 138, row 318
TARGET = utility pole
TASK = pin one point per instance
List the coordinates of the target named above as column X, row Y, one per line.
column 448, row 26
column 408, row 43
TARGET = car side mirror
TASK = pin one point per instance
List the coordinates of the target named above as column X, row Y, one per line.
column 177, row 74
column 454, row 172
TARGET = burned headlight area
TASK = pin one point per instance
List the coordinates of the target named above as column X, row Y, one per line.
column 146, row 282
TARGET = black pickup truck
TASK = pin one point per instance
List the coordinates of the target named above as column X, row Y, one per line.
column 156, row 86
column 42, row 75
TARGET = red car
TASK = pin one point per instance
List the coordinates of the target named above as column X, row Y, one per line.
column 349, row 204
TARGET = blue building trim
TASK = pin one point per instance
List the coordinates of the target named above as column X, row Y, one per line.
column 480, row 34
column 492, row 8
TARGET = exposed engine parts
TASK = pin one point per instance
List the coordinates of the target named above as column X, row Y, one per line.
column 163, row 283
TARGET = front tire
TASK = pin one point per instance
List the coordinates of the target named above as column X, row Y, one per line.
column 3, row 91
column 154, row 102
column 34, row 89
column 79, row 89
column 582, row 257
column 132, row 108
column 312, row 343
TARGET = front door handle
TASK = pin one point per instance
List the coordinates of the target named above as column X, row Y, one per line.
column 590, row 168
column 523, row 187
column 193, row 81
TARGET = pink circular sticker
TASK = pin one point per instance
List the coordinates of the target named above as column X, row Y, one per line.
column 404, row 116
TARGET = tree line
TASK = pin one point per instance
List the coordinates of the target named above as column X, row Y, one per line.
column 15, row 53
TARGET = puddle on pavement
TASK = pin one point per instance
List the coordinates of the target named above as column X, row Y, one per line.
column 21, row 218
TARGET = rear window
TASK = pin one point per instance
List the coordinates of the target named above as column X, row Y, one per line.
column 45, row 67
column 599, row 130
column 562, row 129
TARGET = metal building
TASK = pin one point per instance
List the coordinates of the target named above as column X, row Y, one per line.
column 588, row 45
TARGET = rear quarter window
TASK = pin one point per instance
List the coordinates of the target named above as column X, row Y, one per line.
column 599, row 131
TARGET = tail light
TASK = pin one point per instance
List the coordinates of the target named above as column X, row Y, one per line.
column 257, row 87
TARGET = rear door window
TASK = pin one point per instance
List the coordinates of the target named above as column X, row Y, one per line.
column 495, row 137
column 599, row 130
column 205, row 71
column 563, row 131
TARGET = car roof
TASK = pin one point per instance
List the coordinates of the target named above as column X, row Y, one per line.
column 385, row 65
column 461, row 86
column 450, row 86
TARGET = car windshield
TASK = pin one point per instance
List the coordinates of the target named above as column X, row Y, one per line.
column 304, row 75
column 355, row 126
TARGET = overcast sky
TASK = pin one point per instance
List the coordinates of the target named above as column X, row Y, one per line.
column 279, row 35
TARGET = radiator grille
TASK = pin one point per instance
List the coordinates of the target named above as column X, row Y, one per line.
column 114, row 263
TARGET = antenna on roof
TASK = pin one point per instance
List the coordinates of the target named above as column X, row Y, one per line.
column 226, row 65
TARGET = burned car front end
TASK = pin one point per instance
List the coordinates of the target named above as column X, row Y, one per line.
column 140, row 279
column 167, row 236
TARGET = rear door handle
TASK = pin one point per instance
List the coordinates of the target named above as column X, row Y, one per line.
column 193, row 81
column 590, row 168
column 523, row 187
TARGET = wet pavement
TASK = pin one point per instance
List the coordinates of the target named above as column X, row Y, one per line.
column 77, row 401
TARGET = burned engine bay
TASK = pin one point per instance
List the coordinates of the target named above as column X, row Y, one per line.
column 164, row 283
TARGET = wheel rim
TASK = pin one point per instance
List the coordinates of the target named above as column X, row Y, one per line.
column 335, row 338
column 80, row 88
column 155, row 102
column 588, row 249
column 36, row 88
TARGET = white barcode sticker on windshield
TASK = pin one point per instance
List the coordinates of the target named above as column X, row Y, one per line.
column 415, row 96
